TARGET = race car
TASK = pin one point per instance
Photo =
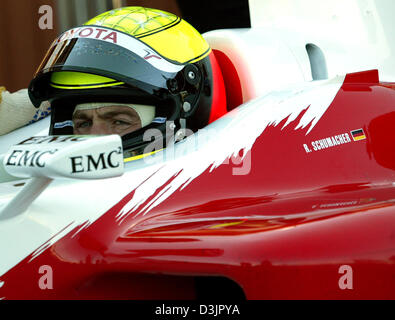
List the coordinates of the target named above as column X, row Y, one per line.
column 289, row 195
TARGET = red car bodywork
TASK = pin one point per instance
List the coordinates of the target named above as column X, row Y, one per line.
column 293, row 228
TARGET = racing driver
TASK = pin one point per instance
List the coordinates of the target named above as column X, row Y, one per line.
column 129, row 70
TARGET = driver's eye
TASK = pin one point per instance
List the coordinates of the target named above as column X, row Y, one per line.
column 121, row 123
column 83, row 124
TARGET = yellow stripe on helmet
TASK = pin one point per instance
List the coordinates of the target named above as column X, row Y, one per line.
column 79, row 80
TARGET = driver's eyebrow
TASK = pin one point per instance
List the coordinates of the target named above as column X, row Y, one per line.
column 112, row 114
column 81, row 115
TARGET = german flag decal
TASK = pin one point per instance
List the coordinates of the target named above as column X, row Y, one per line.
column 358, row 135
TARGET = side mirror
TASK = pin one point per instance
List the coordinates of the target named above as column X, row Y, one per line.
column 46, row 158
column 77, row 157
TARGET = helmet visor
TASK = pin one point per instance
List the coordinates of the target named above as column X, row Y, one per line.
column 117, row 55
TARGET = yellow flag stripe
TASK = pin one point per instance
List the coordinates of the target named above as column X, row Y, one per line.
column 359, row 138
